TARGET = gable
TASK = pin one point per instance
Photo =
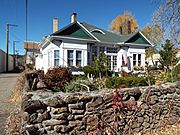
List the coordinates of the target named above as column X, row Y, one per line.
column 73, row 31
column 137, row 39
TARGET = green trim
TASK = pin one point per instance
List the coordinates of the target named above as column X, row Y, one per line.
column 137, row 39
column 73, row 31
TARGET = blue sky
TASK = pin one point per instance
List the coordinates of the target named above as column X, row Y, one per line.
column 41, row 13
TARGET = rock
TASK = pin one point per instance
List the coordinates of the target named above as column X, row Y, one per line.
column 32, row 106
column 33, row 118
column 61, row 128
column 135, row 92
column 146, row 125
column 86, row 98
column 54, row 122
column 61, row 116
column 32, row 130
column 146, row 118
column 76, row 106
column 153, row 100
column 77, row 111
column 71, row 99
column 92, row 120
column 107, row 98
column 43, row 116
column 178, row 90
column 78, row 117
column 131, row 102
column 172, row 120
column 70, row 117
column 59, row 110
column 56, row 101
column 140, row 119
column 41, row 84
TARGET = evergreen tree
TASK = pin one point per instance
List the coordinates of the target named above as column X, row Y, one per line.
column 101, row 64
column 168, row 56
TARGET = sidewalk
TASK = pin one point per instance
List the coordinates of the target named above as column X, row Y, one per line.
column 7, row 83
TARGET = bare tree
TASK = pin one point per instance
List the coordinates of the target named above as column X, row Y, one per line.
column 168, row 17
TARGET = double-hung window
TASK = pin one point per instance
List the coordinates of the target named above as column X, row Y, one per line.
column 134, row 59
column 114, row 62
column 78, row 58
column 139, row 59
column 112, row 50
column 70, row 57
column 56, row 58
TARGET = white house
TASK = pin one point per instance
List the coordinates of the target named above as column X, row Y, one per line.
column 78, row 44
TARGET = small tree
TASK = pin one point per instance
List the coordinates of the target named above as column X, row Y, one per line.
column 168, row 56
column 101, row 64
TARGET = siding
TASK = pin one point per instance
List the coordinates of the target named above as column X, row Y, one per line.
column 2, row 62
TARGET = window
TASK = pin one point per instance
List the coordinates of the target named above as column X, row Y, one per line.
column 101, row 49
column 123, row 62
column 56, row 57
column 139, row 59
column 49, row 59
column 114, row 62
column 94, row 52
column 134, row 59
column 70, row 57
column 112, row 50
column 109, row 62
column 78, row 58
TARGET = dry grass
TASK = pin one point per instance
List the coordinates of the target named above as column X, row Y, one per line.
column 16, row 93
column 13, row 126
column 13, row 123
column 168, row 130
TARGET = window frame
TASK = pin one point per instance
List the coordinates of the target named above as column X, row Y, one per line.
column 70, row 58
column 56, row 58
column 79, row 59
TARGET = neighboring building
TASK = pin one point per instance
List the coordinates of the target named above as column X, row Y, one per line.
column 79, row 43
column 155, row 58
column 32, row 49
column 3, row 62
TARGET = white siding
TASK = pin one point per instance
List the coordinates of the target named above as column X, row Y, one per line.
column 3, row 62
column 63, row 48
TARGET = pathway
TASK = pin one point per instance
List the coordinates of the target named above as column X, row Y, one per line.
column 7, row 83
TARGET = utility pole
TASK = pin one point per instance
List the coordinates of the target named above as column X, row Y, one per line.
column 7, row 43
column 14, row 57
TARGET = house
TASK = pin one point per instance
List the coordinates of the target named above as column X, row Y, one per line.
column 155, row 58
column 78, row 44
column 32, row 49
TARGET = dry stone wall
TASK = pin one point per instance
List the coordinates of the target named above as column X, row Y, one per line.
column 45, row 112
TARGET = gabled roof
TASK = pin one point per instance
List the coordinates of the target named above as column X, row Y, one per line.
column 87, row 31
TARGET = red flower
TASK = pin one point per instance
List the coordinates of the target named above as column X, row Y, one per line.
column 114, row 102
column 118, row 90
column 120, row 99
column 114, row 107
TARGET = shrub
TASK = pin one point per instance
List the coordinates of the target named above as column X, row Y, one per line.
column 57, row 78
column 30, row 66
column 130, row 81
column 176, row 73
column 78, row 85
column 114, row 82
column 89, row 70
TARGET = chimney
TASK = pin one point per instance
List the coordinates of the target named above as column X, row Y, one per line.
column 55, row 25
column 73, row 17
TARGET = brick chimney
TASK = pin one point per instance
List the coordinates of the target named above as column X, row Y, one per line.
column 55, row 25
column 73, row 17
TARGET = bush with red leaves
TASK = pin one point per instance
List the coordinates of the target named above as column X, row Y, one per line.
column 57, row 78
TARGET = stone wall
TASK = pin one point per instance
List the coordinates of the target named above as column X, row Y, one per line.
column 45, row 112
